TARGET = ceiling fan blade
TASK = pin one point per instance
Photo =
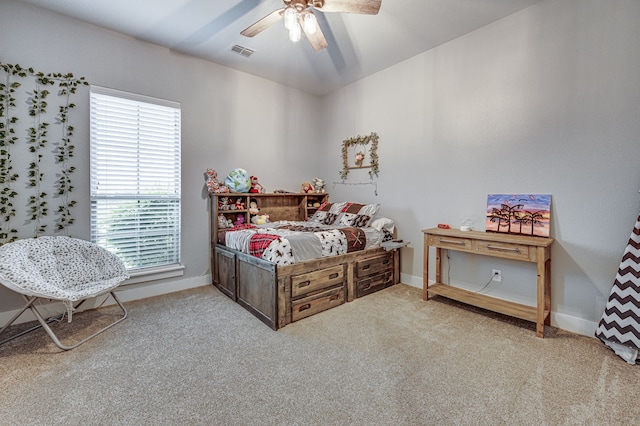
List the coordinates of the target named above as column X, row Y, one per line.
column 367, row 7
column 317, row 40
column 263, row 23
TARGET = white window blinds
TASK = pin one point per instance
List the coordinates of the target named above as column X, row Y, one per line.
column 135, row 177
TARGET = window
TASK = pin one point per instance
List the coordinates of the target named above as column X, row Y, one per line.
column 135, row 178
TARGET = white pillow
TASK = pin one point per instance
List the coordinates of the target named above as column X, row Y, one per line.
column 380, row 223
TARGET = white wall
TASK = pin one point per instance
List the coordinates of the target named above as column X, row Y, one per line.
column 229, row 119
column 544, row 101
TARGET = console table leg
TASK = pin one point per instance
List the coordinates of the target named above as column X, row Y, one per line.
column 425, row 272
column 543, row 297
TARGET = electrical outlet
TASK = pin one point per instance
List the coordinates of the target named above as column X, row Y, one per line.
column 497, row 275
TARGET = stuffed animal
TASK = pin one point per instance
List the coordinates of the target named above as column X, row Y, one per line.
column 256, row 188
column 260, row 219
column 238, row 181
column 253, row 208
column 318, row 185
column 306, row 187
column 239, row 220
column 213, row 186
column 222, row 221
column 239, row 204
column 223, row 203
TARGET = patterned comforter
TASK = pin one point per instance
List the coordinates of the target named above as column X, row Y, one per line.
column 285, row 243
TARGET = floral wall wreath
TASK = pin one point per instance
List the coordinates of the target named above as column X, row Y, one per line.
column 354, row 154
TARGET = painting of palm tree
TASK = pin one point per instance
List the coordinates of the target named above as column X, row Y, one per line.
column 523, row 214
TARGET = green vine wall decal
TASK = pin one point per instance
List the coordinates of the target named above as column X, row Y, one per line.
column 37, row 143
column 45, row 155
column 68, row 86
column 8, row 138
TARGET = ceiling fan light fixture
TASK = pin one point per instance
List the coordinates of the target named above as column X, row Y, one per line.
column 295, row 33
column 310, row 23
column 290, row 17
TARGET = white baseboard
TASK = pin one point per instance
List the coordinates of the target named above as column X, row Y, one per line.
column 126, row 293
column 562, row 321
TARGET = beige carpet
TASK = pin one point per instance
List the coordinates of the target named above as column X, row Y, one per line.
column 390, row 358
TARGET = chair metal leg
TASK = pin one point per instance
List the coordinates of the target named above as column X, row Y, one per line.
column 44, row 323
column 17, row 315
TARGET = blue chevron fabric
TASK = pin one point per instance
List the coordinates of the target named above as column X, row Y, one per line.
column 620, row 323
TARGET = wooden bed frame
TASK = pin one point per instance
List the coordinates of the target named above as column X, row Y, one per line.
column 280, row 295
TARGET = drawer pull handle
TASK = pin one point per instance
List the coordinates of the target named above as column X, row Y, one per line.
column 304, row 307
column 334, row 297
column 515, row 250
column 366, row 287
column 365, row 267
column 458, row 242
column 332, row 276
column 304, row 283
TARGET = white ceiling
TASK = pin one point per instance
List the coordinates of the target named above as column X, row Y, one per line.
column 359, row 45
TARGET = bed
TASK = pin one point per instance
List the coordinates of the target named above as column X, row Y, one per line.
column 287, row 270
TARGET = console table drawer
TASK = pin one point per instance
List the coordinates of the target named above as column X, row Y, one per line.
column 507, row 250
column 450, row 242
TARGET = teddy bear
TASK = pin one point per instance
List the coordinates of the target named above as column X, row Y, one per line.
column 222, row 221
column 223, row 203
column 318, row 185
column 256, row 188
column 306, row 187
column 213, row 186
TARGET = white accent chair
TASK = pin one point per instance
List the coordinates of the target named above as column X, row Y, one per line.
column 59, row 268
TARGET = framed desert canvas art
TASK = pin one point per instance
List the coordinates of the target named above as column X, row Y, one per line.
column 522, row 214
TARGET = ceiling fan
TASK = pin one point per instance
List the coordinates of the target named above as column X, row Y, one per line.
column 298, row 17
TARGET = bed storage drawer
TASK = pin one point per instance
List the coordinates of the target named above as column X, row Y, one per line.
column 316, row 280
column 319, row 302
column 374, row 283
column 374, row 265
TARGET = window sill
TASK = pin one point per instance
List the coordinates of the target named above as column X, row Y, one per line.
column 152, row 274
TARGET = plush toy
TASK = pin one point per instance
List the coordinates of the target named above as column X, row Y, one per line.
column 253, row 208
column 223, row 203
column 260, row 219
column 213, row 186
column 239, row 220
column 222, row 221
column 256, row 188
column 306, row 187
column 239, row 204
column 238, row 181
column 318, row 185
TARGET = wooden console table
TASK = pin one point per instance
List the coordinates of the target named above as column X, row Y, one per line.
column 509, row 246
